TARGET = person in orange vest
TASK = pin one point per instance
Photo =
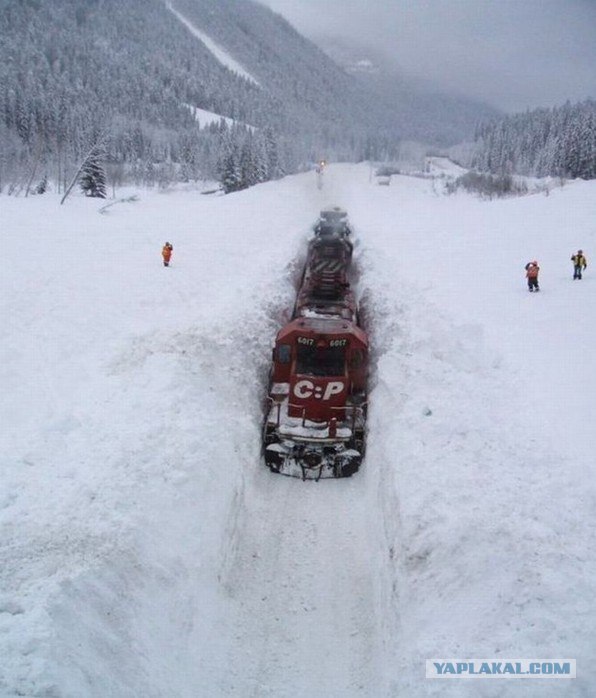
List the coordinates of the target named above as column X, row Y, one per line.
column 166, row 253
column 532, row 270
column 579, row 264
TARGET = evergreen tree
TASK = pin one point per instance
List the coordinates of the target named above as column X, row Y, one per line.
column 274, row 170
column 260, row 158
column 42, row 187
column 230, row 172
column 93, row 176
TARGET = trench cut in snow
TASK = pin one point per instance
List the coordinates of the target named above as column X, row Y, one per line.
column 147, row 551
column 220, row 53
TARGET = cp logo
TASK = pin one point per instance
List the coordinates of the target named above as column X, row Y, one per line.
column 305, row 389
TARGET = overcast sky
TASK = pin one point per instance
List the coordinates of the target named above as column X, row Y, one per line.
column 510, row 53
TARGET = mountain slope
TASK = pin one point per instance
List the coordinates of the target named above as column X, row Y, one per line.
column 311, row 96
column 74, row 71
column 419, row 110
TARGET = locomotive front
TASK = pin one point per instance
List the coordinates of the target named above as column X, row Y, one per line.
column 315, row 422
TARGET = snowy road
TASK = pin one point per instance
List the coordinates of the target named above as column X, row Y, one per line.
column 147, row 552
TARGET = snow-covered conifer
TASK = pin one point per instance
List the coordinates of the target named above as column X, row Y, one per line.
column 93, row 176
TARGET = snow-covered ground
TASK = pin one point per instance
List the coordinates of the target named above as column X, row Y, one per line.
column 146, row 551
column 443, row 166
column 206, row 118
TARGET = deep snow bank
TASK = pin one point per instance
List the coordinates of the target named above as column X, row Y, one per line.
column 145, row 549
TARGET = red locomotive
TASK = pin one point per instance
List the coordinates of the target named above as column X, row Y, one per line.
column 316, row 407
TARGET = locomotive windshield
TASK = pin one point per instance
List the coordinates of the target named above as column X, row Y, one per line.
column 320, row 361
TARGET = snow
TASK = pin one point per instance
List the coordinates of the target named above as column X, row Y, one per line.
column 146, row 551
column 218, row 51
column 206, row 118
column 443, row 166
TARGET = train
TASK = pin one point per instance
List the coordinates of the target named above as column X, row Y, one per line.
column 316, row 406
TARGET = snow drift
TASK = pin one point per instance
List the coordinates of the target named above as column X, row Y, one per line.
column 146, row 549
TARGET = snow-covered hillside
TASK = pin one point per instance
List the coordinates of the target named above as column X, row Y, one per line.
column 146, row 551
column 220, row 53
column 206, row 118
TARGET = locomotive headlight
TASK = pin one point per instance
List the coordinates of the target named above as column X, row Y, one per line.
column 313, row 459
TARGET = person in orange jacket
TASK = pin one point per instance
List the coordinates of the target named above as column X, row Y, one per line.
column 166, row 253
column 532, row 270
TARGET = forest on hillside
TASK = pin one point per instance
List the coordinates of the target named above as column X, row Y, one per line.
column 560, row 141
column 118, row 84
column 124, row 78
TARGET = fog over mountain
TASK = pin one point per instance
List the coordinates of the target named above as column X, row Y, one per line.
column 434, row 116
column 513, row 55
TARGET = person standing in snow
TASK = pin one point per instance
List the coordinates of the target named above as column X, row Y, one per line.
column 579, row 264
column 166, row 253
column 532, row 270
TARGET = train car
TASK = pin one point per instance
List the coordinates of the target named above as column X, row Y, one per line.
column 325, row 287
column 332, row 221
column 315, row 423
